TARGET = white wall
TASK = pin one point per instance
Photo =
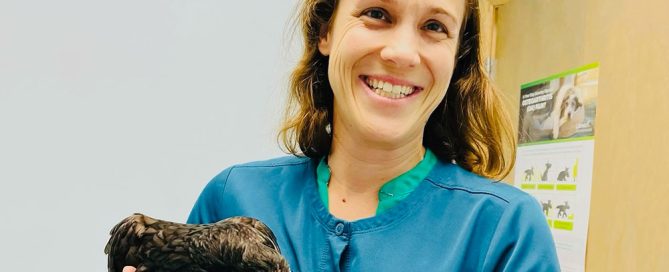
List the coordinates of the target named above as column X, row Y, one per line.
column 114, row 107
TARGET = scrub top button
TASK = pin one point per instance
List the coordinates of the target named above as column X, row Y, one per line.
column 339, row 228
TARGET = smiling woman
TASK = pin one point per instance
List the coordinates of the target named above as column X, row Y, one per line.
column 416, row 42
column 394, row 131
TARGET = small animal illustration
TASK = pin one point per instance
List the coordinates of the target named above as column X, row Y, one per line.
column 546, row 206
column 234, row 244
column 562, row 210
column 529, row 173
column 544, row 176
column 563, row 175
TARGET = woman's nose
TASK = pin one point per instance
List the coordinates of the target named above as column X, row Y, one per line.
column 401, row 48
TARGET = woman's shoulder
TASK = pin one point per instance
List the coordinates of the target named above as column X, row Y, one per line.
column 279, row 168
column 252, row 188
column 290, row 160
column 452, row 177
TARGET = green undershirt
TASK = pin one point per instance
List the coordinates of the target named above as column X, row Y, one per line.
column 393, row 191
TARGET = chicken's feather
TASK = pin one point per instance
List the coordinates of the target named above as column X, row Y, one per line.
column 233, row 244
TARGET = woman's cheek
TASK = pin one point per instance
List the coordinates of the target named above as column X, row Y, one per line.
column 348, row 49
column 442, row 64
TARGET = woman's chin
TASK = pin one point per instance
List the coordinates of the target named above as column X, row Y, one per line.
column 382, row 130
column 387, row 135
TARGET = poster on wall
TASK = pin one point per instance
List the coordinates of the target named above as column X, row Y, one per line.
column 556, row 139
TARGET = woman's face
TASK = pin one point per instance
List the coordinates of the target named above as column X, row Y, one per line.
column 390, row 63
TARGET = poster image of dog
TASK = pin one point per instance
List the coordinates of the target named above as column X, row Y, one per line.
column 562, row 210
column 549, row 169
column 529, row 174
column 546, row 207
column 555, row 155
column 558, row 107
column 556, row 208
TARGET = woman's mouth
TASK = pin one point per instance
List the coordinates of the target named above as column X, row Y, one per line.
column 387, row 89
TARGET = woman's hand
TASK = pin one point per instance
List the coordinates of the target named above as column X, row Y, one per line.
column 129, row 269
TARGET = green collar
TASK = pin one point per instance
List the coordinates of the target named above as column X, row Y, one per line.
column 393, row 191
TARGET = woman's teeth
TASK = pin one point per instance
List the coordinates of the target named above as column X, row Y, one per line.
column 388, row 90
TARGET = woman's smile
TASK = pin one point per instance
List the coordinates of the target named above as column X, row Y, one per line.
column 390, row 87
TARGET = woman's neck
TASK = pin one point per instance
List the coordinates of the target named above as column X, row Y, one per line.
column 360, row 167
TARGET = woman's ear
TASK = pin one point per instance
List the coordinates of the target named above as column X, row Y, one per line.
column 324, row 44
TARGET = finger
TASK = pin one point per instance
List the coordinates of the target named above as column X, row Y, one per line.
column 129, row 269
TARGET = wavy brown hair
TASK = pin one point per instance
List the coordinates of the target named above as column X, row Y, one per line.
column 470, row 125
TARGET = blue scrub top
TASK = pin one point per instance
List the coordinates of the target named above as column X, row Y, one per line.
column 453, row 220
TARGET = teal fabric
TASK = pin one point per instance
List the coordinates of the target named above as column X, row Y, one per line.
column 393, row 191
column 453, row 221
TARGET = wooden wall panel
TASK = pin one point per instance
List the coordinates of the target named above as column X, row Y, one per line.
column 629, row 223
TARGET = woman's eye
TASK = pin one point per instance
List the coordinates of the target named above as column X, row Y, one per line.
column 376, row 13
column 436, row 27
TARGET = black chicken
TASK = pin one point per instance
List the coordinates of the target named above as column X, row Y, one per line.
column 233, row 244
